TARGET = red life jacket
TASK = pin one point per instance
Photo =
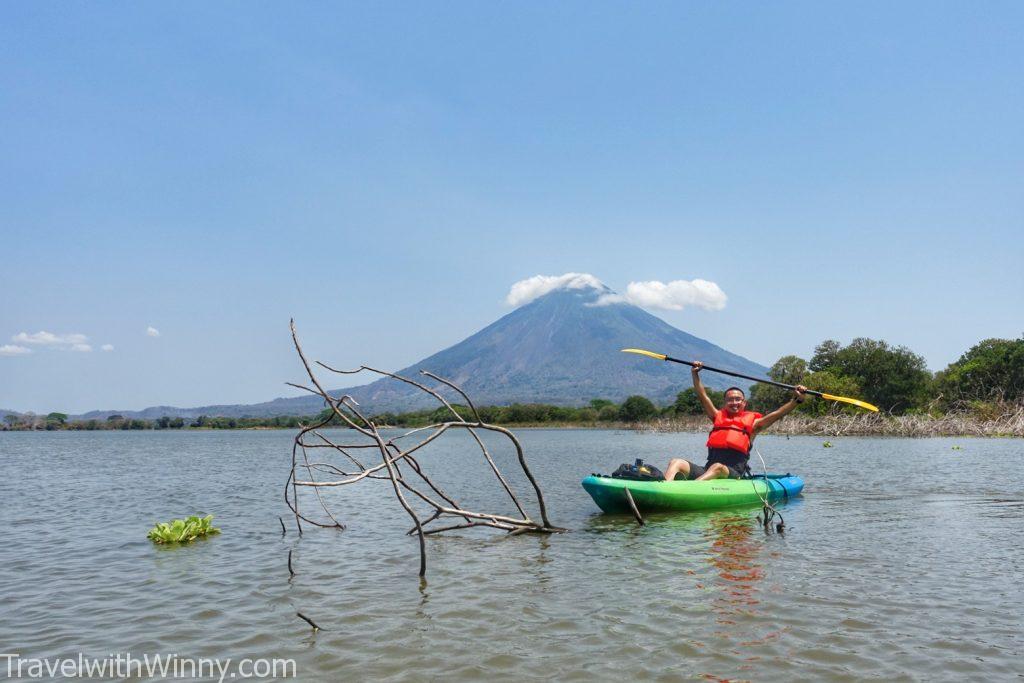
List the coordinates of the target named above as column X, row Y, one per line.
column 733, row 433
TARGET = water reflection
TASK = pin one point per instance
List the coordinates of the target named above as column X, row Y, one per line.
column 732, row 544
column 735, row 553
column 422, row 614
column 536, row 561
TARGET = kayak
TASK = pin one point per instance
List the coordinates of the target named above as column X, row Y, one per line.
column 669, row 496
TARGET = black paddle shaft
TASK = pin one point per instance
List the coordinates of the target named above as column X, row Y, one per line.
column 736, row 374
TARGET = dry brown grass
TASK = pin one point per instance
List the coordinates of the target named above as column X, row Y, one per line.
column 1009, row 423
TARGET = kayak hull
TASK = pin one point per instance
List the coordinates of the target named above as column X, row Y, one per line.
column 675, row 496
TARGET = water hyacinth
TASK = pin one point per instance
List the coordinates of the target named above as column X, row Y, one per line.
column 183, row 530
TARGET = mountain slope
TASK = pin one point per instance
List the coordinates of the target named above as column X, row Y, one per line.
column 561, row 348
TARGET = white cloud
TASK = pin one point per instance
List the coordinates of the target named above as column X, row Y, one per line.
column 525, row 291
column 671, row 296
column 152, row 332
column 44, row 338
column 62, row 342
column 13, row 350
column 107, row 347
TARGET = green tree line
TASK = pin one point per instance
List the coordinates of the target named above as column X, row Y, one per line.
column 985, row 380
column 59, row 421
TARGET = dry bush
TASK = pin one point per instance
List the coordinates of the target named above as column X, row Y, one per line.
column 1009, row 421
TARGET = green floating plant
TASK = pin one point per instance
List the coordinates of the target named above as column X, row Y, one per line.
column 183, row 530
column 827, row 444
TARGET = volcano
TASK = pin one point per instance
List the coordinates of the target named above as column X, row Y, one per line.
column 562, row 348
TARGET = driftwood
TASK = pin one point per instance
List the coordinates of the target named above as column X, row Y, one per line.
column 316, row 626
column 372, row 456
column 632, row 507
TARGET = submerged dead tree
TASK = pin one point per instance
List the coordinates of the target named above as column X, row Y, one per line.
column 372, row 456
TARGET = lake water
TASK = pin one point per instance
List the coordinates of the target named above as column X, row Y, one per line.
column 902, row 560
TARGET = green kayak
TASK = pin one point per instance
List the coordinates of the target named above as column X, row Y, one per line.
column 668, row 496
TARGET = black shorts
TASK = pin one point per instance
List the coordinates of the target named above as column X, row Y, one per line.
column 698, row 470
column 734, row 461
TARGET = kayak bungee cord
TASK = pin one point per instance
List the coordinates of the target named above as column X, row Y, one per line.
column 768, row 507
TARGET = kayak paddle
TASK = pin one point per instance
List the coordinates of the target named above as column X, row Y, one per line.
column 829, row 397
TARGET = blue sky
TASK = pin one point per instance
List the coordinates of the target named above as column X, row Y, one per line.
column 384, row 172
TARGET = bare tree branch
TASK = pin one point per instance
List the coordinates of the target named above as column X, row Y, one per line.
column 392, row 458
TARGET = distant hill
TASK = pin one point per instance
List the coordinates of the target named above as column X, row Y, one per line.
column 560, row 348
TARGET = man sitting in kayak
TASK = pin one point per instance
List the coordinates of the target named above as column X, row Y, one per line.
column 731, row 436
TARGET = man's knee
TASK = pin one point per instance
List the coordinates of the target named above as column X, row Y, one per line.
column 718, row 470
column 677, row 467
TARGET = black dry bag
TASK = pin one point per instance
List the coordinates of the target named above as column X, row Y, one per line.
column 638, row 471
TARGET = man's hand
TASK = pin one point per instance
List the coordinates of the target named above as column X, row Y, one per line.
column 798, row 392
column 697, row 365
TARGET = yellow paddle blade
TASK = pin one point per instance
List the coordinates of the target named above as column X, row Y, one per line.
column 652, row 354
column 852, row 401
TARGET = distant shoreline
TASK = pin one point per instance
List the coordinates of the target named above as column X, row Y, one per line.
column 1008, row 425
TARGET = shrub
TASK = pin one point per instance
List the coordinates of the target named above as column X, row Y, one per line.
column 636, row 408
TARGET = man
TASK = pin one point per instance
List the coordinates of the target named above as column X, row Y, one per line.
column 731, row 436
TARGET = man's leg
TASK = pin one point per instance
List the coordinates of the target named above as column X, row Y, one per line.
column 716, row 470
column 677, row 466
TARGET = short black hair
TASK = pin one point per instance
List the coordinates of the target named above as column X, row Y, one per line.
column 734, row 389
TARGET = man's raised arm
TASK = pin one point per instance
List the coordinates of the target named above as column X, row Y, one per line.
column 782, row 411
column 709, row 407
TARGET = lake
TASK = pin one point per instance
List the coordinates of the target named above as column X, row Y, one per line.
column 902, row 560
